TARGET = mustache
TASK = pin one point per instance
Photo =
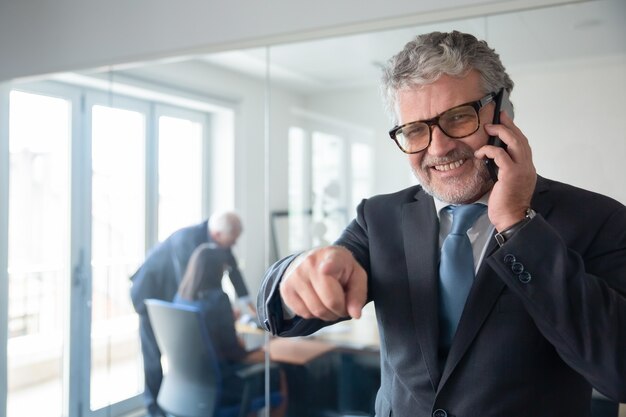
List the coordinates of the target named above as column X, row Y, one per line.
column 454, row 155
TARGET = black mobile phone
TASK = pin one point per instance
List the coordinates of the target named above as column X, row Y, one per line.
column 502, row 104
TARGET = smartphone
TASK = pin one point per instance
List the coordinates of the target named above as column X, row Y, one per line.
column 502, row 104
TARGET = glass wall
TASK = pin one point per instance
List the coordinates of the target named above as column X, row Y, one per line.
column 339, row 151
column 293, row 137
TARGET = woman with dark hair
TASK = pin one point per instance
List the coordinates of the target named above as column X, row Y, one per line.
column 201, row 287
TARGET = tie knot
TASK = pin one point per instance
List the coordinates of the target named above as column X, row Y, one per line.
column 464, row 216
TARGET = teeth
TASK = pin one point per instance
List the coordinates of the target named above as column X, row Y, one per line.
column 451, row 165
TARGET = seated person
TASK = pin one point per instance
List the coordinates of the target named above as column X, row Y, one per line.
column 201, row 287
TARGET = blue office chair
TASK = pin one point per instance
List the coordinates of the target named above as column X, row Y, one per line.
column 192, row 385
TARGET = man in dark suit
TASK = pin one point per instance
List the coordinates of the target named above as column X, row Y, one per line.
column 544, row 317
column 160, row 275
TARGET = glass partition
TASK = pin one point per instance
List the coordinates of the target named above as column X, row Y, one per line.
column 339, row 152
column 292, row 136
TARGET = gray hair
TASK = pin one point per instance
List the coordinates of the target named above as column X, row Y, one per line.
column 431, row 55
column 226, row 222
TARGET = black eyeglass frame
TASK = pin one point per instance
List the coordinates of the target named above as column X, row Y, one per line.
column 477, row 105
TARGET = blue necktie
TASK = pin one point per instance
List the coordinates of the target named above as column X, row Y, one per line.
column 456, row 270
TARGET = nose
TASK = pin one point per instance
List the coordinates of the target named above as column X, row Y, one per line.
column 440, row 143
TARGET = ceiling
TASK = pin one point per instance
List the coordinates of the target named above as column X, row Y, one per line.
column 536, row 37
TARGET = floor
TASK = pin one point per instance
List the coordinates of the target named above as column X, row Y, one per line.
column 120, row 381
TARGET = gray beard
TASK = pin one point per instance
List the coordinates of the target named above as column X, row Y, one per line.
column 460, row 193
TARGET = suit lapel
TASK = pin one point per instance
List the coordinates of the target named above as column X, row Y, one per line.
column 421, row 248
column 480, row 301
column 484, row 293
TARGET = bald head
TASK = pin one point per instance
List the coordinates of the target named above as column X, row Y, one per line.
column 225, row 228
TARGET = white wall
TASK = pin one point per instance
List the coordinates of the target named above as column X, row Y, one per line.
column 39, row 36
column 573, row 116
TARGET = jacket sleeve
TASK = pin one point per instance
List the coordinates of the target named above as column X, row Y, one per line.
column 575, row 293
column 269, row 304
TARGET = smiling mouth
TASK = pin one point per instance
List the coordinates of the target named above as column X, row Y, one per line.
column 449, row 166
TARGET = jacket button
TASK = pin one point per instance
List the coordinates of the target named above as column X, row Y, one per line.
column 440, row 413
column 517, row 268
column 509, row 259
column 524, row 277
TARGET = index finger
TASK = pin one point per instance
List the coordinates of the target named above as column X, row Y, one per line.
column 331, row 293
column 356, row 292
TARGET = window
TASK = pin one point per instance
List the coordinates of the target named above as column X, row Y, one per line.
column 329, row 174
column 118, row 140
column 328, row 186
column 38, row 261
column 299, row 196
column 95, row 180
column 180, row 174
column 361, row 163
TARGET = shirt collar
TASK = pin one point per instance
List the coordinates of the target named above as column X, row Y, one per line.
column 440, row 205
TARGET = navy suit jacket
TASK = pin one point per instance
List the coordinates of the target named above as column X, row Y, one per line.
column 544, row 321
column 163, row 269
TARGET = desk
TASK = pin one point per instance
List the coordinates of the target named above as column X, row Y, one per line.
column 337, row 368
column 297, row 351
column 354, row 336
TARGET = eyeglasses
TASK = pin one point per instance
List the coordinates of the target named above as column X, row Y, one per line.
column 458, row 122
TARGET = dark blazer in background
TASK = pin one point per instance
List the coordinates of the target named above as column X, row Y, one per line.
column 544, row 321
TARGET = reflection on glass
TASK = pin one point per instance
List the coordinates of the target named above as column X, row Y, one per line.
column 118, row 142
column 38, row 265
column 299, row 221
column 581, row 45
column 361, row 165
column 327, row 179
column 180, row 174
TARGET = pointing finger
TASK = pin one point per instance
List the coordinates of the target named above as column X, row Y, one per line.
column 356, row 292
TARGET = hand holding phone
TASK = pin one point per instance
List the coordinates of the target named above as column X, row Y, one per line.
column 502, row 104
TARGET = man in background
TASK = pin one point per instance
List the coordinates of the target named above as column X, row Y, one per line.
column 160, row 275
